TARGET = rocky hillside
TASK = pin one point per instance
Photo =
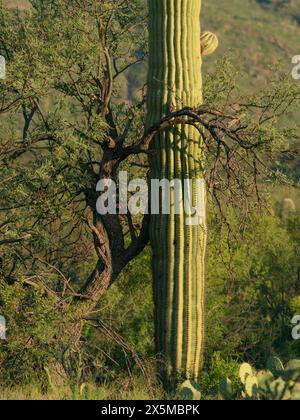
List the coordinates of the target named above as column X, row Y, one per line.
column 259, row 32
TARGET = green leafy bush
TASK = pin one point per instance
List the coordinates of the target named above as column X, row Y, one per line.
column 34, row 325
column 219, row 368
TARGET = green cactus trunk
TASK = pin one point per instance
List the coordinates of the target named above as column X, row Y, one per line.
column 178, row 248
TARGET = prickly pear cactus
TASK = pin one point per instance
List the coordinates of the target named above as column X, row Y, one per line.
column 279, row 382
column 244, row 372
column 190, row 390
column 174, row 82
column 251, row 386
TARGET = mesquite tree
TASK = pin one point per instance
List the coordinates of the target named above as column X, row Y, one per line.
column 179, row 247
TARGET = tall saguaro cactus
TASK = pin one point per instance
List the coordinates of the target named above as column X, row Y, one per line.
column 175, row 82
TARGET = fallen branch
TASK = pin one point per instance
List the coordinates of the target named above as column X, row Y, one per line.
column 10, row 241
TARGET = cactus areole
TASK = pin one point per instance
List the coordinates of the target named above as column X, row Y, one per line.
column 174, row 82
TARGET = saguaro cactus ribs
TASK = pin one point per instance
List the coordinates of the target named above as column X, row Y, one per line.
column 178, row 249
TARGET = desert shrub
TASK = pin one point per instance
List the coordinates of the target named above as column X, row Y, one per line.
column 219, row 368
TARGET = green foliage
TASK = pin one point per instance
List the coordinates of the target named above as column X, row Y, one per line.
column 121, row 390
column 52, row 128
column 34, row 326
column 35, row 336
column 128, row 308
column 250, row 286
column 295, row 304
column 220, row 368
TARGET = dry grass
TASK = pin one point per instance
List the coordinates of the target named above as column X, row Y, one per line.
column 15, row 4
column 135, row 391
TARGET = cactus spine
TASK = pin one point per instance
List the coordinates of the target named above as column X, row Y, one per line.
column 178, row 249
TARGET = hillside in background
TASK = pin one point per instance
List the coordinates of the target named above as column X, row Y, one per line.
column 259, row 33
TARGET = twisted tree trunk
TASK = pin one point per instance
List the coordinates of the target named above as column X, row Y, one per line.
column 178, row 247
